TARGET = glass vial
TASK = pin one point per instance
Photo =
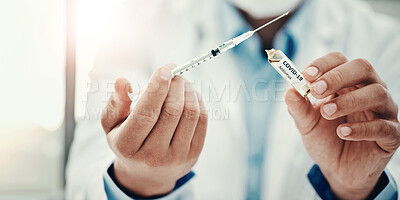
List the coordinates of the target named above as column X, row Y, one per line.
column 286, row 68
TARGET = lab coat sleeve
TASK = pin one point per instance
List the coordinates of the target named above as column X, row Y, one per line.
column 386, row 188
column 182, row 189
column 390, row 191
column 89, row 157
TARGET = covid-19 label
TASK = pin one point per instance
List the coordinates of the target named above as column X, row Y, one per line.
column 285, row 67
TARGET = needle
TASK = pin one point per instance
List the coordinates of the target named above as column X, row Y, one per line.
column 241, row 38
column 272, row 21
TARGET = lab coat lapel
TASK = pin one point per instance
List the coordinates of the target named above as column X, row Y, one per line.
column 225, row 145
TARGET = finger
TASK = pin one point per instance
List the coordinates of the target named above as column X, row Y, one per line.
column 371, row 97
column 187, row 125
column 301, row 110
column 349, row 74
column 201, row 129
column 117, row 108
column 160, row 137
column 321, row 65
column 385, row 132
column 146, row 112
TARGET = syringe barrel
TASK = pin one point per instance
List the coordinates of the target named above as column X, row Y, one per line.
column 191, row 64
column 203, row 58
column 226, row 46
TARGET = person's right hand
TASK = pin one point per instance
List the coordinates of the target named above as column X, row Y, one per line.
column 160, row 139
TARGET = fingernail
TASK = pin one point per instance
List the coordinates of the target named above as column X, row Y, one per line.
column 319, row 87
column 312, row 71
column 345, row 131
column 330, row 108
column 165, row 73
column 170, row 65
column 130, row 91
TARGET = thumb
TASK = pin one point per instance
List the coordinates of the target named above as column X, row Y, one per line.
column 302, row 111
column 118, row 106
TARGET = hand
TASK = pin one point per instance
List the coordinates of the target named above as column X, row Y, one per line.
column 160, row 140
column 354, row 131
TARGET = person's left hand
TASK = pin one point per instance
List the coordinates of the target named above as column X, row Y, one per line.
column 354, row 131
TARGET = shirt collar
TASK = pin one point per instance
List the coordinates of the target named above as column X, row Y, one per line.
column 288, row 38
column 231, row 23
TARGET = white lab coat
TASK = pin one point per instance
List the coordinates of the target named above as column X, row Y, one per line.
column 346, row 26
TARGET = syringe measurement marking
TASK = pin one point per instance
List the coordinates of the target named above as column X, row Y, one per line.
column 193, row 62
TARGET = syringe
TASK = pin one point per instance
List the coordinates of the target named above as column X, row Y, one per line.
column 220, row 49
column 207, row 56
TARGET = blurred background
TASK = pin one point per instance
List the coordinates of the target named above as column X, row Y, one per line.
column 47, row 48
